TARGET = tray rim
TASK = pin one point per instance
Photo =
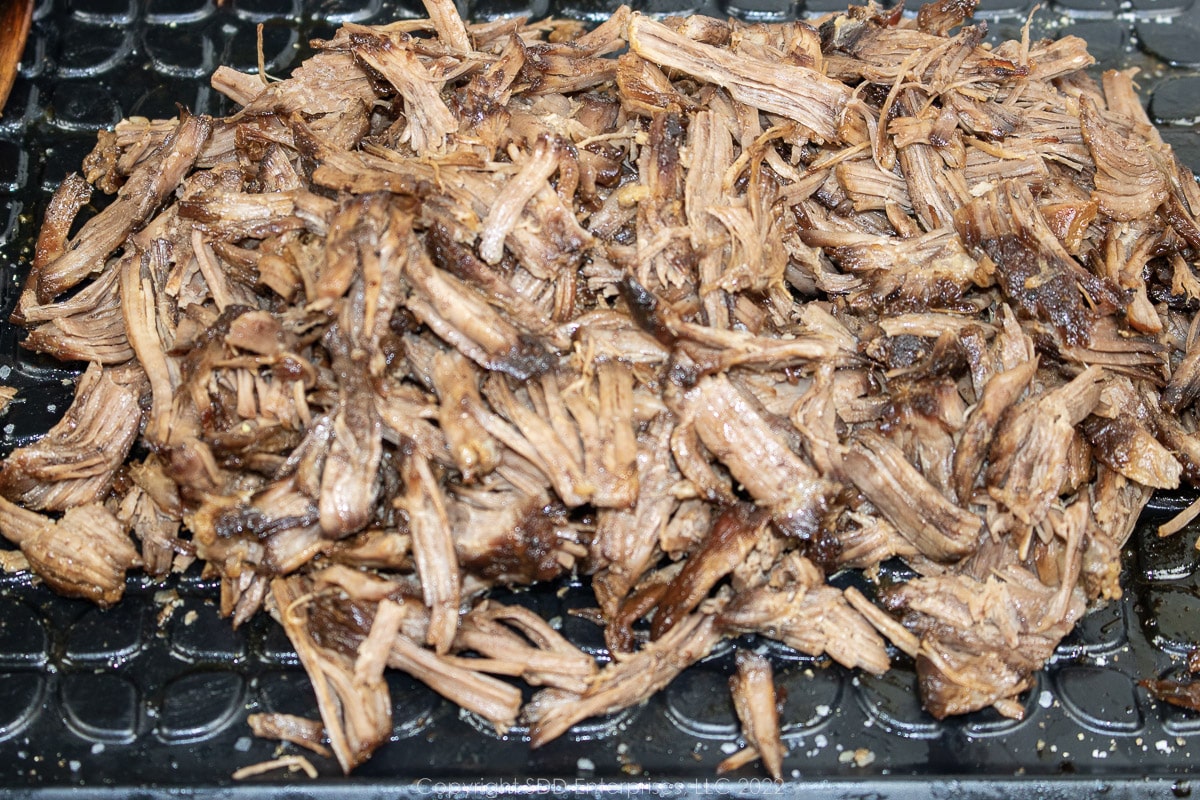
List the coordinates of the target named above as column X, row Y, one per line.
column 1125, row 786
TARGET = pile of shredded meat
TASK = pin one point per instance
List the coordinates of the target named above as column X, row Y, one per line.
column 703, row 311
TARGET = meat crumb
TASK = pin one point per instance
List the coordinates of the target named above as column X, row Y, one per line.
column 292, row 763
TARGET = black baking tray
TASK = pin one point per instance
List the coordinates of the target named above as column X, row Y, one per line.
column 149, row 699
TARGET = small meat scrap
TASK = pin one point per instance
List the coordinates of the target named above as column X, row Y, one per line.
column 7, row 395
column 300, row 731
column 699, row 311
column 1182, row 693
column 754, row 699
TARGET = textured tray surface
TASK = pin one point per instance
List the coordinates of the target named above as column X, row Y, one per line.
column 156, row 691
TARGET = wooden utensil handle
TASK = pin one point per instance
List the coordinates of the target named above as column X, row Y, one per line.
column 15, row 19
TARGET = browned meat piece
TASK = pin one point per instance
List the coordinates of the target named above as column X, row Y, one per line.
column 686, row 529
column 516, row 641
column 433, row 549
column 355, row 708
column 502, row 217
column 1128, row 248
column 429, row 120
column 661, row 177
column 141, row 196
column 1055, row 58
column 449, row 25
column 733, row 534
column 872, row 50
column 983, row 637
column 625, row 542
column 18, row 524
column 692, row 459
column 647, row 87
column 233, row 216
column 88, row 326
column 1000, row 393
column 935, row 192
column 603, row 414
column 307, row 733
column 924, row 416
column 868, row 540
column 149, row 329
column 576, row 64
column 1032, row 267
column 375, row 548
column 72, row 195
column 475, row 452
column 551, row 449
column 1184, row 446
column 1182, row 693
column 932, row 269
column 883, row 622
column 957, row 682
column 85, row 553
column 1131, row 450
column 753, row 690
column 138, row 139
column 508, row 537
column 1129, row 182
column 795, row 92
column 1021, row 161
column 872, row 189
column 941, row 17
column 716, row 350
column 406, row 413
column 494, row 700
column 741, row 437
column 273, row 533
column 75, row 461
column 465, row 321
column 1184, row 387
column 323, row 84
column 1028, row 456
column 355, row 235
column 154, row 527
column 548, row 242
column 939, row 529
column 1138, row 357
column 358, row 588
column 623, row 683
column 807, row 615
column 348, row 480
column 449, row 249
column 1117, row 506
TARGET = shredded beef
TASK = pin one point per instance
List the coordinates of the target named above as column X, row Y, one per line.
column 700, row 310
